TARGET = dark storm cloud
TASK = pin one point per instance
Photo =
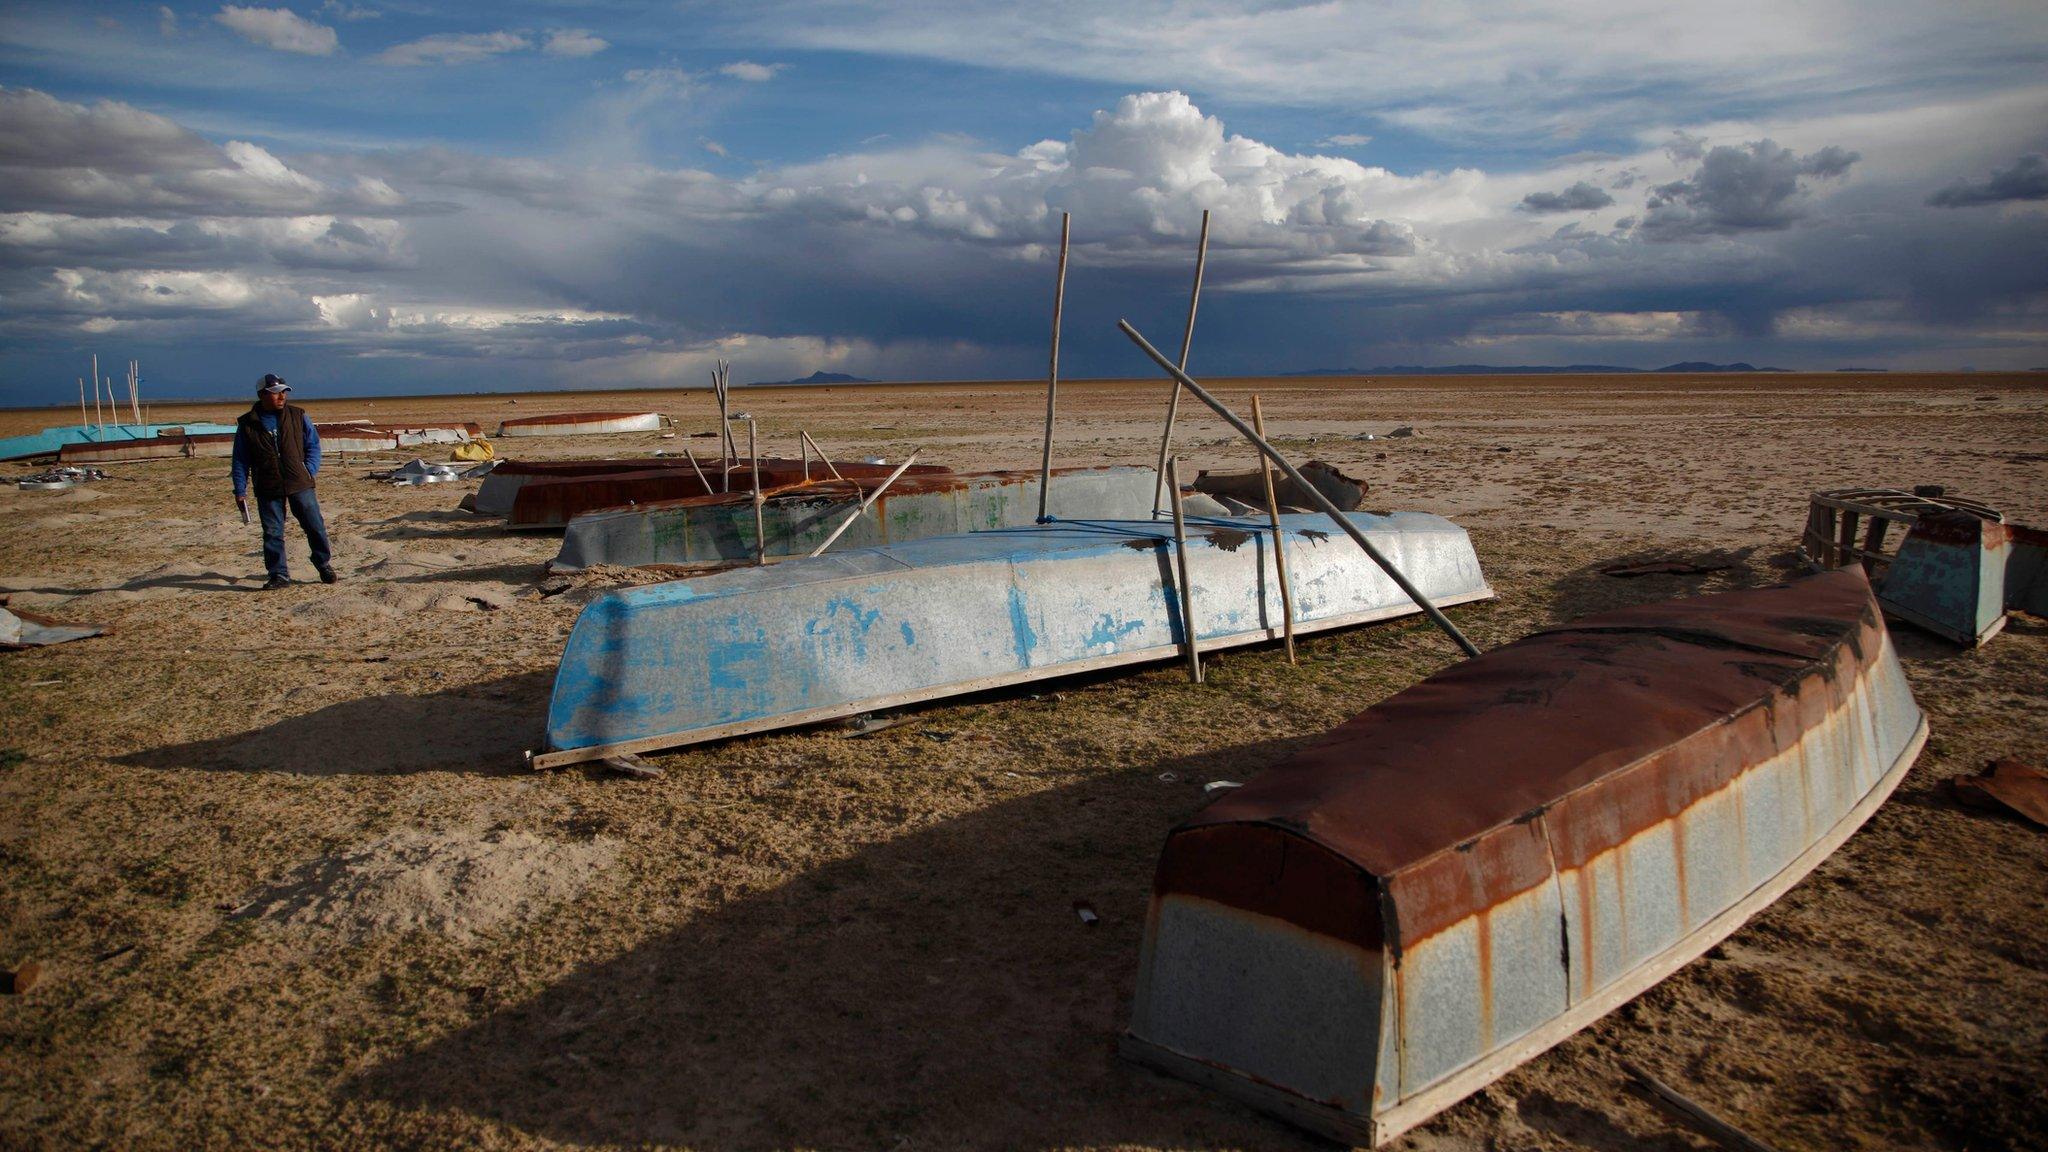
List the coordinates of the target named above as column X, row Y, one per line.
column 1754, row 188
column 1580, row 197
column 2027, row 179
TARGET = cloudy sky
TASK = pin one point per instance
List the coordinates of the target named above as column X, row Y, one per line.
column 411, row 196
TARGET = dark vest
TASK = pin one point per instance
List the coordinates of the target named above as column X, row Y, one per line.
column 276, row 468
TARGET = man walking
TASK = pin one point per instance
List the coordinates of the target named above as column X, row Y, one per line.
column 277, row 446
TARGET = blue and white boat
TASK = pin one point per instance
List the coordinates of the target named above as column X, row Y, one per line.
column 50, row 440
column 814, row 639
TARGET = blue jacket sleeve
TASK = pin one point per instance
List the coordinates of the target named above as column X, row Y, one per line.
column 239, row 472
column 312, row 446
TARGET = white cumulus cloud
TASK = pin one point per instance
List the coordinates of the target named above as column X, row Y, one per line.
column 574, row 42
column 279, row 28
column 454, row 48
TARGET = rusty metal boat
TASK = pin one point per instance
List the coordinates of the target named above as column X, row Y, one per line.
column 1477, row 867
column 552, row 501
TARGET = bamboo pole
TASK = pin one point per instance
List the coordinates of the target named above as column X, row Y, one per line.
column 1279, row 536
column 1187, row 340
column 857, row 513
column 1314, row 495
column 1052, row 376
column 1187, row 580
column 826, row 460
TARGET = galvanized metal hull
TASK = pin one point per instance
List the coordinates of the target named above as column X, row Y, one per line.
column 812, row 639
column 1480, row 866
column 582, row 424
column 796, row 520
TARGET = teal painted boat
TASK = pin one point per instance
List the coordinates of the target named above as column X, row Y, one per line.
column 812, row 639
column 50, row 441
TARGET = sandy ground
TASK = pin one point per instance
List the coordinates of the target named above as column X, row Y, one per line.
column 291, row 887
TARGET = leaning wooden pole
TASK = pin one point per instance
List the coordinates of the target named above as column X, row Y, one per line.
column 862, row 509
column 1314, row 495
column 1187, row 578
column 826, row 460
column 1052, row 376
column 81, row 403
column 694, row 467
column 1279, row 536
column 1187, row 340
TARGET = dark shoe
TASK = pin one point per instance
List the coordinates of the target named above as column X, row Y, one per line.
column 327, row 576
column 276, row 582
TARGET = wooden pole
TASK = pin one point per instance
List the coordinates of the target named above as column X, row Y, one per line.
column 1187, row 340
column 728, row 452
column 701, row 478
column 1052, row 376
column 1724, row 1133
column 1279, row 536
column 135, row 390
column 81, row 404
column 1313, row 494
column 857, row 513
column 760, row 532
column 824, row 459
column 1187, row 583
column 97, row 416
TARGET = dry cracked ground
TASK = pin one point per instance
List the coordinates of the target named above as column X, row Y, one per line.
column 289, row 884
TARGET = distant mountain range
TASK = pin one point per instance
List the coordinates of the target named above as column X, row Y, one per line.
column 815, row 378
column 1528, row 369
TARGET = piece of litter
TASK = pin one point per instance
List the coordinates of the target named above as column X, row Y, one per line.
column 1215, row 786
column 1169, row 778
column 2009, row 786
column 631, row 765
column 43, row 683
column 1086, row 912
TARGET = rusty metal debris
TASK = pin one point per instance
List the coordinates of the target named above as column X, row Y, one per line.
column 1482, row 865
column 1957, row 566
column 2007, row 785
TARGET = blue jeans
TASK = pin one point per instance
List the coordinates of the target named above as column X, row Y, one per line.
column 306, row 507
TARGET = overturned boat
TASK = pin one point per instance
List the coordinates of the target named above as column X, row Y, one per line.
column 1476, row 868
column 797, row 518
column 553, row 501
column 583, row 424
column 1957, row 565
column 813, row 639
column 51, row 441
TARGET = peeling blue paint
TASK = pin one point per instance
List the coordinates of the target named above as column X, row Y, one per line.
column 909, row 636
column 1108, row 631
column 1023, row 638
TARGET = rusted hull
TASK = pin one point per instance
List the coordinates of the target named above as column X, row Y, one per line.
column 162, row 447
column 582, row 424
column 1480, row 866
column 551, row 501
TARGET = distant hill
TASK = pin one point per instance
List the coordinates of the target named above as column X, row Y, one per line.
column 816, row 378
column 1527, row 369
